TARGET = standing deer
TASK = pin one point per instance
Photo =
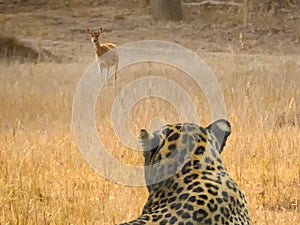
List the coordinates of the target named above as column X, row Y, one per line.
column 105, row 58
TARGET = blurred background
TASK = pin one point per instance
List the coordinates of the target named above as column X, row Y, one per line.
column 253, row 48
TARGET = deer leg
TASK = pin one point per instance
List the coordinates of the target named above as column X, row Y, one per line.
column 101, row 72
column 99, row 67
column 116, row 66
column 103, row 68
column 107, row 70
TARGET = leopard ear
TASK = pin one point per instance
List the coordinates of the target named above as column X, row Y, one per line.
column 88, row 30
column 145, row 140
column 144, row 134
column 101, row 30
column 148, row 141
column 221, row 129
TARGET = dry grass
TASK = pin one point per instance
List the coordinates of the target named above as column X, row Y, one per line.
column 45, row 180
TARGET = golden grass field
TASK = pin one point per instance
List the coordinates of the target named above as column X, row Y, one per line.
column 45, row 180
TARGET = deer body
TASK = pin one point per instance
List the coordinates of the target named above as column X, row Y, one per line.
column 106, row 54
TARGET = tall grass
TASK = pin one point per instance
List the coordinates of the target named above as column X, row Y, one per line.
column 45, row 180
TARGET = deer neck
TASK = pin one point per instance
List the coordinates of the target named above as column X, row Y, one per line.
column 99, row 49
column 97, row 45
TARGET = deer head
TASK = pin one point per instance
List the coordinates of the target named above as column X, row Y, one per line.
column 94, row 35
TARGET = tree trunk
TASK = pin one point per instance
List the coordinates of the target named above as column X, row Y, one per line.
column 166, row 9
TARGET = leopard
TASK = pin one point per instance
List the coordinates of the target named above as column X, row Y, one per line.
column 187, row 181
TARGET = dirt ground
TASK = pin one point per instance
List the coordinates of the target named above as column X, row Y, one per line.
column 59, row 26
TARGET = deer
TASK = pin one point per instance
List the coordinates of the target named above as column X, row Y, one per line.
column 106, row 54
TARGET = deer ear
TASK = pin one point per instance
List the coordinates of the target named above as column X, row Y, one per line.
column 88, row 30
column 101, row 29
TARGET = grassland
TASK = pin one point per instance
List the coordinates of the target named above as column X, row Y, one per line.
column 45, row 180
